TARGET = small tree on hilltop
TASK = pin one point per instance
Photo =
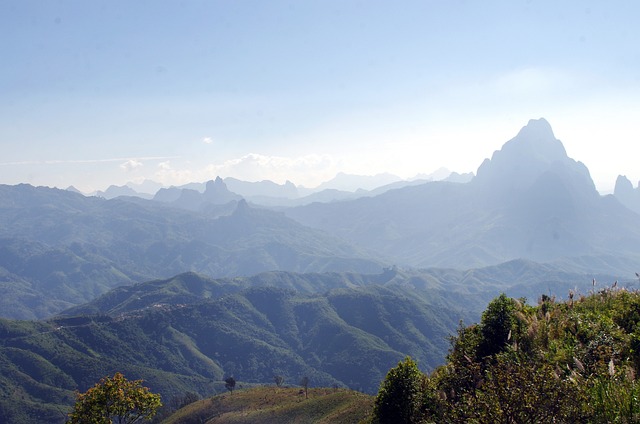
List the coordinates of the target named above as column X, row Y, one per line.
column 230, row 384
column 304, row 382
column 279, row 380
column 115, row 400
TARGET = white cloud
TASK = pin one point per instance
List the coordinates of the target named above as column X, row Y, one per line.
column 131, row 164
column 308, row 170
column 166, row 165
column 168, row 175
column 207, row 140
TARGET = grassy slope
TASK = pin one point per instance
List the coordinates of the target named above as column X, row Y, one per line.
column 272, row 405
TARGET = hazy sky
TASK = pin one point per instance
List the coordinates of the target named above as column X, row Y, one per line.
column 94, row 92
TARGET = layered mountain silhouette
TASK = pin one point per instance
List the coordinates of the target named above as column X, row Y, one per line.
column 344, row 317
column 215, row 193
column 59, row 248
column 530, row 200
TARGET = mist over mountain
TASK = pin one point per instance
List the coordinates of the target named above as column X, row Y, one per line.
column 349, row 182
column 60, row 248
column 267, row 193
column 215, row 193
column 342, row 187
column 116, row 191
column 530, row 200
column 265, row 188
column 531, row 158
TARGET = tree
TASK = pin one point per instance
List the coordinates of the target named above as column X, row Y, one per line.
column 279, row 380
column 115, row 400
column 304, row 382
column 401, row 394
column 519, row 388
column 498, row 321
column 230, row 384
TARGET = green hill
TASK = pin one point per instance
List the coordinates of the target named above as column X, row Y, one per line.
column 278, row 405
column 184, row 334
column 345, row 337
column 561, row 362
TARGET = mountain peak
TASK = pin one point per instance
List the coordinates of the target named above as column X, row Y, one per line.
column 216, row 184
column 538, row 128
column 627, row 194
column 536, row 141
column 535, row 151
column 216, row 191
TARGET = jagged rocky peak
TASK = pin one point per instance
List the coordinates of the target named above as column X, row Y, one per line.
column 217, row 184
column 627, row 194
column 623, row 186
column 216, row 191
column 534, row 152
column 534, row 144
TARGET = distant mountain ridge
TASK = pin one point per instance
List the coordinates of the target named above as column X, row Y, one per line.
column 446, row 287
column 530, row 200
column 61, row 248
column 267, row 193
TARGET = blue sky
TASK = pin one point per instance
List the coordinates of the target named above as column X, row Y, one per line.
column 94, row 93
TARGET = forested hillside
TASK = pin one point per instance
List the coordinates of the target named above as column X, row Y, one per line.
column 346, row 337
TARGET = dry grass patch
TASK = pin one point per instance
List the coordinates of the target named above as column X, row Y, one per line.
column 278, row 405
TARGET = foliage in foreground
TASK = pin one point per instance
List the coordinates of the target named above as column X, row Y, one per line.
column 568, row 362
column 115, row 400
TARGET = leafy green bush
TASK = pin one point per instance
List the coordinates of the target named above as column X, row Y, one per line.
column 558, row 362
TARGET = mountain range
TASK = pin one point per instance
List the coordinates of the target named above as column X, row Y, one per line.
column 530, row 200
column 59, row 248
column 269, row 194
column 200, row 282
